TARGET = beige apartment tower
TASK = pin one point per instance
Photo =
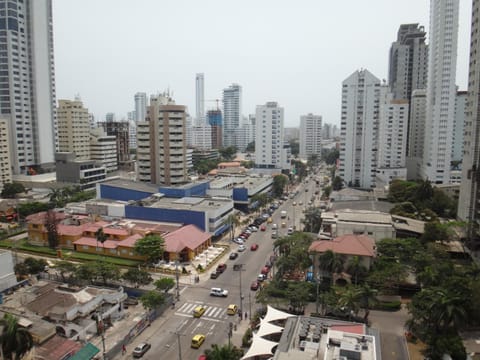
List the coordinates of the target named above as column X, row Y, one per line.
column 161, row 143
column 73, row 128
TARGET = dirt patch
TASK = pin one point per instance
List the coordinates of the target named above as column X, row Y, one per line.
column 415, row 350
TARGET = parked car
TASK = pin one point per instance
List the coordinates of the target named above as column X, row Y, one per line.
column 274, row 226
column 221, row 268
column 253, row 227
column 274, row 234
column 244, row 235
column 141, row 349
column 214, row 275
column 241, row 248
column 263, row 228
column 238, row 241
column 261, row 277
column 290, row 230
column 254, row 247
column 218, row 292
column 254, row 286
column 265, row 270
column 233, row 255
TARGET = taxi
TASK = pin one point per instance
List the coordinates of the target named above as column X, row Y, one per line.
column 284, row 224
column 197, row 340
column 232, row 309
column 269, row 220
column 199, row 311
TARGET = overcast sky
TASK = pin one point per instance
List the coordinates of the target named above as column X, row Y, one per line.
column 294, row 52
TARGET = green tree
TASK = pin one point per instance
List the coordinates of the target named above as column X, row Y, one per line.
column 15, row 340
column 349, row 299
column 151, row 246
column 435, row 231
column 279, row 183
column 356, row 268
column 86, row 272
column 224, row 352
column 331, row 262
column 51, row 223
column 312, row 160
column 101, row 237
column 25, row 209
column 21, row 270
column 64, row 268
column 10, row 190
column 327, row 190
column 330, row 156
column 368, row 299
column 298, row 296
column 424, row 190
column 137, row 277
column 152, row 299
column 106, row 271
column 227, row 153
column 232, row 221
column 313, row 220
column 164, row 284
column 34, row 265
column 337, row 183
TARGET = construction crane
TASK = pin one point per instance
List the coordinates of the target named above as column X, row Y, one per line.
column 216, row 100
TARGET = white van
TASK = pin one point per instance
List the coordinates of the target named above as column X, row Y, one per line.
column 283, row 214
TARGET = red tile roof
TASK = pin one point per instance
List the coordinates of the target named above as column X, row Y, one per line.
column 57, row 348
column 188, row 236
column 353, row 329
column 109, row 244
column 130, row 241
column 39, row 218
column 361, row 245
column 70, row 229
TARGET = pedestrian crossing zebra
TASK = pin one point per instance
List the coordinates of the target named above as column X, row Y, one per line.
column 215, row 313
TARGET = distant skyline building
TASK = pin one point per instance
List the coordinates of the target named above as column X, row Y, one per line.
column 408, row 63
column 121, row 131
column 73, row 122
column 27, row 81
column 103, row 149
column 232, row 113
column 140, row 106
column 161, row 143
column 109, row 117
column 468, row 203
column 5, row 161
column 361, row 96
column 441, row 91
column 269, row 141
column 310, row 136
column 416, row 133
column 132, row 134
column 458, row 126
column 214, row 119
column 200, row 98
column 202, row 137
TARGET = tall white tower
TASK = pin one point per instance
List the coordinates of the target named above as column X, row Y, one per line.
column 27, row 81
column 232, row 113
column 269, row 136
column 361, row 96
column 140, row 106
column 441, row 90
column 310, row 135
column 200, row 99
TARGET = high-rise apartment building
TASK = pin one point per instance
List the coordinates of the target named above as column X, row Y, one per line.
column 27, row 82
column 458, row 126
column 132, row 134
column 214, row 119
column 103, row 149
column 246, row 133
column 161, row 143
column 416, row 133
column 269, row 136
column 201, row 137
column 73, row 123
column 5, row 163
column 200, row 99
column 408, row 61
column 361, row 96
column 121, row 131
column 310, row 136
column 441, row 90
column 140, row 106
column 468, row 203
column 232, row 113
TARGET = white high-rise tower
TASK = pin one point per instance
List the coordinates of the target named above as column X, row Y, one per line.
column 140, row 106
column 27, row 81
column 441, row 91
column 310, row 136
column 232, row 113
column 269, row 136
column 200, row 99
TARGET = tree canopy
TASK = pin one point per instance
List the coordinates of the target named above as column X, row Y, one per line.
column 151, row 246
column 10, row 190
column 279, row 183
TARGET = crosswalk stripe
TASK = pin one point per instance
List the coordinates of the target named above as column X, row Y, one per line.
column 217, row 312
column 182, row 308
column 210, row 311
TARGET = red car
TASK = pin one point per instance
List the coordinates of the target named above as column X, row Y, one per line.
column 254, row 286
column 263, row 228
column 245, row 235
column 254, row 247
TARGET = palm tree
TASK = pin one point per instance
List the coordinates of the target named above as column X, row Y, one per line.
column 15, row 341
column 448, row 310
column 349, row 299
column 331, row 262
column 101, row 237
column 355, row 268
column 233, row 221
column 225, row 352
column 368, row 299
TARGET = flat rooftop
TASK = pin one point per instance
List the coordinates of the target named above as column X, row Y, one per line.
column 359, row 216
column 132, row 185
column 186, row 203
column 249, row 182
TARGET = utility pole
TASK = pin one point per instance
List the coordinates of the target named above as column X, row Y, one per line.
column 250, row 305
column 230, row 332
column 102, row 332
column 177, row 277
column 240, row 269
column 179, row 344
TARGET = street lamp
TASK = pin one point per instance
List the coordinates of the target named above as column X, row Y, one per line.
column 239, row 267
column 294, row 223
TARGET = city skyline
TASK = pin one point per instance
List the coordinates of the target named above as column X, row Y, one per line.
column 300, row 65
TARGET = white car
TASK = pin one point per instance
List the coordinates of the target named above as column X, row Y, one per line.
column 274, row 226
column 253, row 228
column 241, row 248
column 238, row 241
column 290, row 230
column 218, row 292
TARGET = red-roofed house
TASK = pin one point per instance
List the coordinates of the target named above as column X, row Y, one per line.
column 187, row 242
column 348, row 246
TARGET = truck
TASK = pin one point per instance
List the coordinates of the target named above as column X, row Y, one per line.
column 283, row 214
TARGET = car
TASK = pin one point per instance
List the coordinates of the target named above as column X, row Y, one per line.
column 284, row 224
column 269, row 220
column 214, row 275
column 221, row 268
column 141, row 349
column 265, row 270
column 218, row 292
column 244, row 235
column 253, row 228
column 274, row 234
column 300, row 203
column 241, row 247
column 233, row 255
column 294, row 203
column 290, row 230
column 261, row 277
column 274, row 226
column 263, row 228
column 202, row 357
column 265, row 216
column 254, row 285
column 197, row 341
column 232, row 309
column 254, row 247
column 247, row 231
column 198, row 311
column 238, row 241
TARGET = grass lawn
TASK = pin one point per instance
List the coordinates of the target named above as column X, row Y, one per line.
column 23, row 245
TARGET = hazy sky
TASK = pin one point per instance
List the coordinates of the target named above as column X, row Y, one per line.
column 294, row 52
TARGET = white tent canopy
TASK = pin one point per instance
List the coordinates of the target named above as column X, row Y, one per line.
column 266, row 328
column 259, row 347
column 274, row 314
